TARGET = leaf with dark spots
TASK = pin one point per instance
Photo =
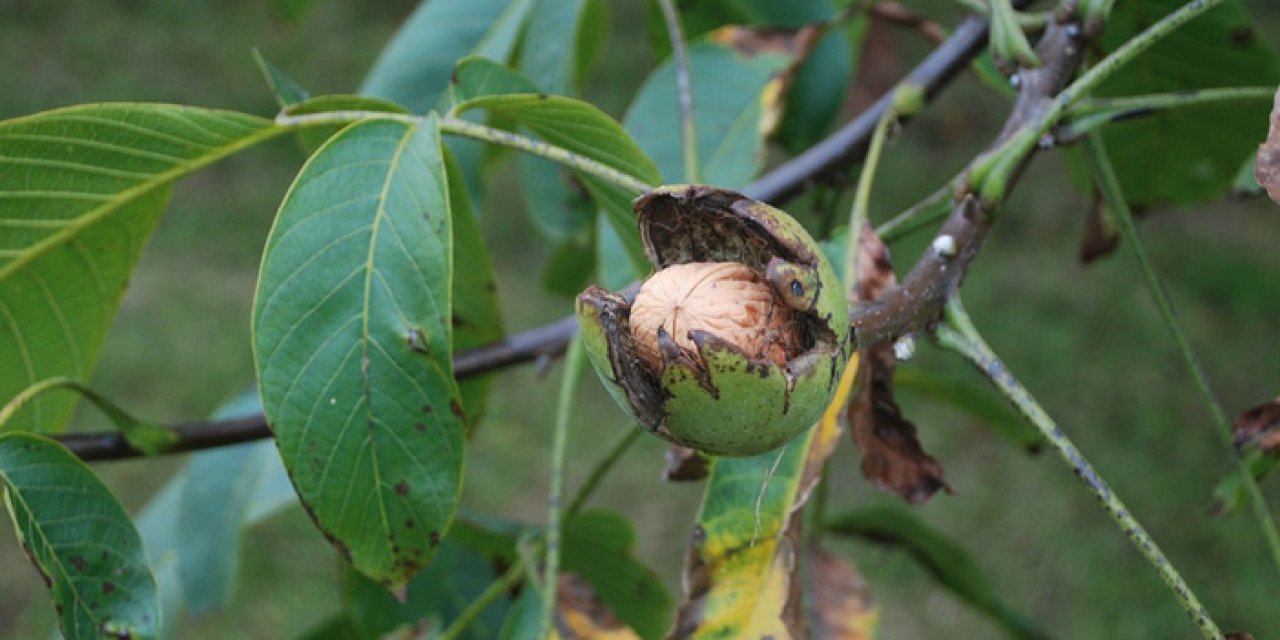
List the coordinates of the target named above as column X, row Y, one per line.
column 402, row 488
column 1259, row 427
column 1267, row 168
column 77, row 562
column 892, row 457
column 841, row 606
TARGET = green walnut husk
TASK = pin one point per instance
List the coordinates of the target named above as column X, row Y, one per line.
column 719, row 399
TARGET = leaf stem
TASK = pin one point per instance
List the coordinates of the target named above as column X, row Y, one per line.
column 1112, row 192
column 960, row 336
column 990, row 174
column 495, row 590
column 1091, row 114
column 932, row 208
column 491, row 135
column 684, row 92
column 862, row 196
column 601, row 469
column 574, row 364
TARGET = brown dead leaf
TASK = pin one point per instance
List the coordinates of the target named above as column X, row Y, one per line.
column 1259, row 426
column 1267, row 170
column 841, row 606
column 685, row 465
column 891, row 455
column 582, row 615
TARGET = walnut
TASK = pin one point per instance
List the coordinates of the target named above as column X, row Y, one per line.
column 727, row 299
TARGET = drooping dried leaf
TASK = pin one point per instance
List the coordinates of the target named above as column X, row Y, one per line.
column 1101, row 236
column 892, row 457
column 685, row 465
column 582, row 615
column 1267, row 169
column 841, row 606
column 1259, row 426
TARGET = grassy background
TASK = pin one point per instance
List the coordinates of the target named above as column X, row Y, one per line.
column 1087, row 341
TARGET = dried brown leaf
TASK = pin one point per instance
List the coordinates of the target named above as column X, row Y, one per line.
column 1267, row 170
column 1259, row 426
column 841, row 606
column 892, row 457
column 582, row 615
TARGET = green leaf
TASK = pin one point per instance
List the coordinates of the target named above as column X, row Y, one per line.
column 549, row 53
column 727, row 91
column 571, row 266
column 1230, row 494
column 476, row 77
column 1192, row 154
column 286, row 90
column 942, row 557
column 144, row 436
column 192, row 530
column 415, row 67
column 80, row 192
column 477, row 319
column 599, row 547
column 524, row 618
column 440, row 593
column 976, row 400
column 352, row 335
column 583, row 129
column 80, row 539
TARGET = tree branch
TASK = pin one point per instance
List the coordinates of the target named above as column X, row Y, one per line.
column 837, row 152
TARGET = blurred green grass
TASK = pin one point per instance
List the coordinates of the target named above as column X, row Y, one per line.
column 1086, row 340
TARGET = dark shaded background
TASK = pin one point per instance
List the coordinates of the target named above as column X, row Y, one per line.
column 1087, row 341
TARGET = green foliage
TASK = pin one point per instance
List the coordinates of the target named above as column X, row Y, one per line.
column 1163, row 158
column 80, row 539
column 728, row 100
column 338, row 343
column 944, row 559
column 80, row 192
column 378, row 272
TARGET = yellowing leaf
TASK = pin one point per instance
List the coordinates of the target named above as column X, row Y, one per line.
column 740, row 567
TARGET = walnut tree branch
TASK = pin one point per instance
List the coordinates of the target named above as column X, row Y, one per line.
column 834, row 154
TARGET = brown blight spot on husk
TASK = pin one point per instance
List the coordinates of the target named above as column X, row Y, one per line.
column 1267, row 169
column 1259, row 426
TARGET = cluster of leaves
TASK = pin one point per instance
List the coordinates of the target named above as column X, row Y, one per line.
column 375, row 275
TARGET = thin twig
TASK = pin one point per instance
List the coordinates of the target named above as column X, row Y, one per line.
column 574, row 365
column 602, row 468
column 684, row 93
column 960, row 336
column 496, row 589
column 1114, row 196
